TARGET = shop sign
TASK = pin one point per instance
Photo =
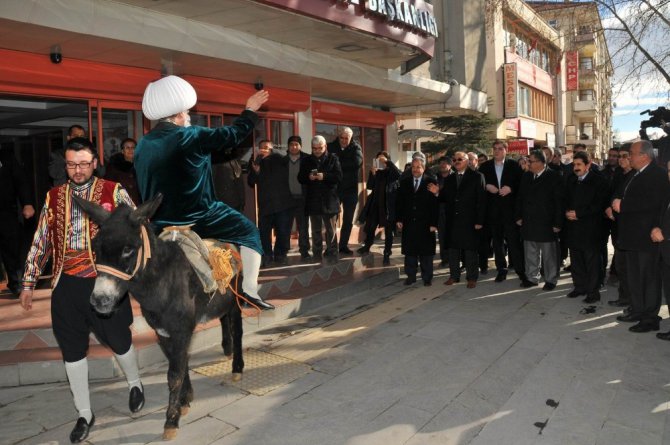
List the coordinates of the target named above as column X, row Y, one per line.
column 512, row 124
column 572, row 70
column 511, row 90
column 410, row 13
column 518, row 146
column 527, row 129
column 551, row 140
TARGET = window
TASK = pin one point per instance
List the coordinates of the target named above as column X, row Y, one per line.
column 587, row 130
column 586, row 63
column 586, row 95
column 525, row 101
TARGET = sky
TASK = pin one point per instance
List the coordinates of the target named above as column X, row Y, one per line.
column 644, row 92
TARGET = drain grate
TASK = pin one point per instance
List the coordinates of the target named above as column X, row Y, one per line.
column 263, row 372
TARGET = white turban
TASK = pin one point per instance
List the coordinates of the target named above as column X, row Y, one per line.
column 167, row 97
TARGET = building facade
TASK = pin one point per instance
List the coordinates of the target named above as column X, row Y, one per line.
column 325, row 63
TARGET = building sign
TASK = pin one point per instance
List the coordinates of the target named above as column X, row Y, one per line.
column 551, row 140
column 527, row 129
column 530, row 74
column 411, row 22
column 512, row 124
column 519, row 146
column 572, row 70
column 511, row 91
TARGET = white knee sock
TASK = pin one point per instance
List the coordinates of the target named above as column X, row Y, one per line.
column 77, row 375
column 128, row 363
column 251, row 265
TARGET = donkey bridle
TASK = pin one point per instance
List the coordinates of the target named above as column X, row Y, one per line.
column 143, row 256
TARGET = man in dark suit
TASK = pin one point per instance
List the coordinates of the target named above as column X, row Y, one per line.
column 587, row 197
column 350, row 156
column 417, row 216
column 321, row 173
column 661, row 235
column 465, row 203
column 503, row 177
column 540, row 216
column 639, row 208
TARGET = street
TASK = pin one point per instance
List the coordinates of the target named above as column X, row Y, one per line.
column 401, row 365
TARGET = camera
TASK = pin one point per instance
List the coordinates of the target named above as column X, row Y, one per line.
column 56, row 57
column 258, row 85
column 314, row 172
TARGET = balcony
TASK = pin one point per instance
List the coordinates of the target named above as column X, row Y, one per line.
column 585, row 108
column 586, row 42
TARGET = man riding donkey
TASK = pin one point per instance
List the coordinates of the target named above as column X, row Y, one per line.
column 174, row 159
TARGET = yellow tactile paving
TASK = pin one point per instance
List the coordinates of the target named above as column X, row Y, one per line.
column 263, row 372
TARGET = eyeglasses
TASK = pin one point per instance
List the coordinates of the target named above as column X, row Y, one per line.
column 624, row 156
column 457, row 159
column 534, row 160
column 128, row 147
column 81, row 165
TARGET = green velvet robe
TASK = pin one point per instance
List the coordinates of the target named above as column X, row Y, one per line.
column 176, row 161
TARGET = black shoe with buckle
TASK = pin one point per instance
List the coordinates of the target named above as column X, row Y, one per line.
column 81, row 429
column 136, row 398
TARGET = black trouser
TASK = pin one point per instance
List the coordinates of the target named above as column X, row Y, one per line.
column 371, row 227
column 665, row 279
column 328, row 222
column 471, row 264
column 584, row 267
column 73, row 319
column 644, row 281
column 624, row 288
column 349, row 201
column 507, row 233
column 485, row 250
column 10, row 246
column 412, row 263
column 301, row 222
column 442, row 233
column 604, row 253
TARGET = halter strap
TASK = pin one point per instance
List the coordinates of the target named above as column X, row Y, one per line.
column 143, row 257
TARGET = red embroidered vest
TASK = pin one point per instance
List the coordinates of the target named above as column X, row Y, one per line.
column 102, row 193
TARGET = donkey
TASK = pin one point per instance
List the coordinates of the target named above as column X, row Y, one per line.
column 130, row 258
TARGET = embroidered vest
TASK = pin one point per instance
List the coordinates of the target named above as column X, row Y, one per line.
column 102, row 193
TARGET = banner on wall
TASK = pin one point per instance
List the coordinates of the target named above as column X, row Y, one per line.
column 511, row 90
column 572, row 70
column 520, row 146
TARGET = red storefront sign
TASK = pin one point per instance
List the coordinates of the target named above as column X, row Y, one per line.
column 519, row 146
column 572, row 70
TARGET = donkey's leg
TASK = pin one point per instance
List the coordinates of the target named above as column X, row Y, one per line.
column 186, row 396
column 175, row 348
column 235, row 316
column 226, row 335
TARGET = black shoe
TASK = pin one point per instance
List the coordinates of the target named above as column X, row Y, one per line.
column 346, row 251
column 644, row 326
column 386, row 261
column 136, row 399
column 305, row 257
column 263, row 305
column 362, row 250
column 592, row 299
column 502, row 276
column 549, row 286
column 81, row 429
column 409, row 281
column 663, row 335
column 427, row 283
column 281, row 261
column 568, row 268
column 318, row 257
column 484, row 270
column 628, row 318
column 527, row 283
column 444, row 263
column 574, row 294
column 619, row 303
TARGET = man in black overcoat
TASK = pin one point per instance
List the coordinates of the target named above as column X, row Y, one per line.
column 540, row 216
column 587, row 197
column 661, row 235
column 503, row 178
column 465, row 204
column 417, row 216
column 639, row 208
column 321, row 174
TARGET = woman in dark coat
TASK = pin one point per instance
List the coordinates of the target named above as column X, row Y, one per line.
column 121, row 169
column 379, row 210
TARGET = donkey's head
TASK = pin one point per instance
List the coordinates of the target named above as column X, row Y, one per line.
column 121, row 248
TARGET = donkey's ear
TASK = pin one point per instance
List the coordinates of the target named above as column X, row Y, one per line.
column 147, row 209
column 97, row 213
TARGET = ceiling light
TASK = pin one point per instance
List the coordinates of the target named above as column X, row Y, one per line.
column 350, row 48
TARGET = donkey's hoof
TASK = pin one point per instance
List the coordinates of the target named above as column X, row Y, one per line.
column 170, row 433
column 237, row 376
column 184, row 409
